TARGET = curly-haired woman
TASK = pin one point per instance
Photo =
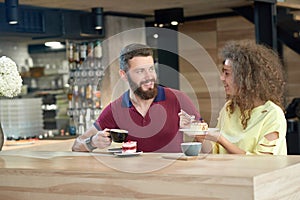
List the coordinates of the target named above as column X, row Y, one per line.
column 252, row 121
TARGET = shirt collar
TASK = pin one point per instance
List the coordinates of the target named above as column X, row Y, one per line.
column 161, row 96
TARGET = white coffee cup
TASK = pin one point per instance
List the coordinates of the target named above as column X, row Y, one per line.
column 191, row 148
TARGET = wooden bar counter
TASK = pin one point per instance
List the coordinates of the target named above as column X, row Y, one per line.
column 102, row 175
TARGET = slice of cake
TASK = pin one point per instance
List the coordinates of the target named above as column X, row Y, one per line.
column 199, row 126
column 129, row 147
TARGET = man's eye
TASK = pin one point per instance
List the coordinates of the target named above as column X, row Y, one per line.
column 139, row 71
column 151, row 69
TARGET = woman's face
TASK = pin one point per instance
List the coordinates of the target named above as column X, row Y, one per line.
column 227, row 78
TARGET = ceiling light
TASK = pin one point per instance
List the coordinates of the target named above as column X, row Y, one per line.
column 169, row 16
column 155, row 35
column 11, row 11
column 97, row 18
column 174, row 23
column 54, row 45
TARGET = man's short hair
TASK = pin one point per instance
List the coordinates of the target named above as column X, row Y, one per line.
column 133, row 50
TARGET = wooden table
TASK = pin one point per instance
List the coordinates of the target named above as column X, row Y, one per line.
column 101, row 175
column 39, row 145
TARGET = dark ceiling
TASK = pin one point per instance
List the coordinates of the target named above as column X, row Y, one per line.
column 142, row 7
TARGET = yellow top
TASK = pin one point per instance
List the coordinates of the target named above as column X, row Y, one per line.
column 264, row 119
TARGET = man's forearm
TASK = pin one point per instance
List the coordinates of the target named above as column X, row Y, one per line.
column 79, row 145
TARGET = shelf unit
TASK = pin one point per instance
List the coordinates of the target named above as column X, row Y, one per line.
column 85, row 75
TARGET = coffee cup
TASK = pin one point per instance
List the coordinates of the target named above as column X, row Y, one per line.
column 118, row 135
column 191, row 148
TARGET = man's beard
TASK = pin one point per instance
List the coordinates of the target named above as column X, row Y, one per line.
column 145, row 95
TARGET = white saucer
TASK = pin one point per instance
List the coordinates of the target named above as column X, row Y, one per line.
column 128, row 154
column 115, row 150
column 196, row 132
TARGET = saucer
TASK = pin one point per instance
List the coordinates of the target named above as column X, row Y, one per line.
column 115, row 150
column 193, row 132
column 128, row 154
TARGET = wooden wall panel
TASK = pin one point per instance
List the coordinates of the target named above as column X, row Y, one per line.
column 224, row 36
column 233, row 23
column 207, row 39
column 199, row 26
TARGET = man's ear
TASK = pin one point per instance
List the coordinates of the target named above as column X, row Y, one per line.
column 123, row 75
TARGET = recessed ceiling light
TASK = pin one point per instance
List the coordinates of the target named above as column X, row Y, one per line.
column 13, row 22
column 174, row 23
column 54, row 45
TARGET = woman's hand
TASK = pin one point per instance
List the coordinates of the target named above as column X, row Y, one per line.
column 214, row 136
column 102, row 139
column 207, row 146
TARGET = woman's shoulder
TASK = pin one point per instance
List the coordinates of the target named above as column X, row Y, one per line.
column 272, row 107
column 273, row 110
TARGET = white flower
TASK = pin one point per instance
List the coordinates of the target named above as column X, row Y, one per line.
column 10, row 79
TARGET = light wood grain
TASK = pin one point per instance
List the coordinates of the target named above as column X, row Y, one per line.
column 294, row 5
column 41, row 145
column 70, row 175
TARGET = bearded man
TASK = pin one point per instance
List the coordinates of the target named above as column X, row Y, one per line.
column 148, row 111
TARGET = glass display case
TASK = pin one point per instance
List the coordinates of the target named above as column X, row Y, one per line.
column 21, row 118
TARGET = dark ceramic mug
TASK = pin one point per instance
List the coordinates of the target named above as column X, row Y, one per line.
column 118, row 135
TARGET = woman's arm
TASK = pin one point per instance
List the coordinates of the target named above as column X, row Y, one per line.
column 230, row 148
column 217, row 137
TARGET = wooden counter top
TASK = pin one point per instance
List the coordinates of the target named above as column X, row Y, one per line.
column 102, row 175
column 39, row 145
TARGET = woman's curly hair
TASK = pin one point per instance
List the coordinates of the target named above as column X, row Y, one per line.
column 257, row 73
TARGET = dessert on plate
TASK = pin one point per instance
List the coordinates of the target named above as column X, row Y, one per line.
column 129, row 147
column 199, row 126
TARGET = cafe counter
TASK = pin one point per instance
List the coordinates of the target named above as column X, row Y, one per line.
column 70, row 175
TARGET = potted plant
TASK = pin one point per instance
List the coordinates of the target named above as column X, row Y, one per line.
column 10, row 84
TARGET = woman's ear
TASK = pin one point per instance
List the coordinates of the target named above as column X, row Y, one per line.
column 123, row 75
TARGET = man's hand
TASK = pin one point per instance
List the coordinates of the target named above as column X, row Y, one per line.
column 102, row 139
column 185, row 119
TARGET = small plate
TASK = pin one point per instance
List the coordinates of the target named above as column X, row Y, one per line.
column 115, row 150
column 195, row 132
column 128, row 154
